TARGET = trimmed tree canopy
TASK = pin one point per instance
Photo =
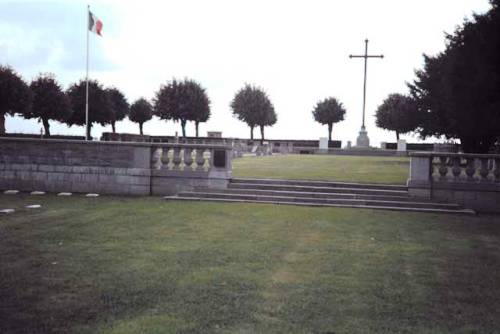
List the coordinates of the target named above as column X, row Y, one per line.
column 252, row 106
column 119, row 106
column 15, row 95
column 141, row 111
column 397, row 113
column 329, row 111
column 182, row 101
column 50, row 102
column 457, row 91
column 99, row 104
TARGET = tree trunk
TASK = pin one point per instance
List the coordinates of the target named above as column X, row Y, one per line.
column 251, row 132
column 140, row 128
column 330, row 126
column 46, row 126
column 89, row 130
column 262, row 134
column 113, row 127
column 2, row 124
column 397, row 135
column 196, row 123
column 183, row 126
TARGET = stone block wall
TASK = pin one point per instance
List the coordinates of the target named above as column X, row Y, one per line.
column 74, row 166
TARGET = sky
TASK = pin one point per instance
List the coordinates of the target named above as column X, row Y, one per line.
column 296, row 50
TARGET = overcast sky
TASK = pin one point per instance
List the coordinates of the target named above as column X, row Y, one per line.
column 298, row 51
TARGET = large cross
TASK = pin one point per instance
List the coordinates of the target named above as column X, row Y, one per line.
column 363, row 137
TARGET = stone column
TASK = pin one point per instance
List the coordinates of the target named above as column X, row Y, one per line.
column 420, row 181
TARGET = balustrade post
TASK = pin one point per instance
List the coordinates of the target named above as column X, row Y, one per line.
column 420, row 181
column 176, row 158
column 156, row 158
column 164, row 158
column 443, row 168
column 484, row 171
column 456, row 169
column 200, row 159
column 188, row 158
column 496, row 172
column 470, row 170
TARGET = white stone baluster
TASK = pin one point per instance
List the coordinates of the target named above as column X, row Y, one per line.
column 156, row 158
column 443, row 169
column 200, row 159
column 164, row 158
column 470, row 170
column 456, row 169
column 484, row 171
column 177, row 158
column 188, row 158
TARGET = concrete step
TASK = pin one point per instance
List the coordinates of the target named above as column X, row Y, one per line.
column 314, row 183
column 394, row 208
column 318, row 189
column 314, row 194
column 338, row 201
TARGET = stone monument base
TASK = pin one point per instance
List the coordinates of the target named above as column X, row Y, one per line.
column 363, row 140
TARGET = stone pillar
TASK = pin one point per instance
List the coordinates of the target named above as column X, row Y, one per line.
column 420, row 182
column 401, row 145
column 323, row 145
column 363, row 140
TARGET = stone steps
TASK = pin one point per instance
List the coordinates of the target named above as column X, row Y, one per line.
column 337, row 201
column 320, row 194
column 318, row 189
column 313, row 183
column 409, row 209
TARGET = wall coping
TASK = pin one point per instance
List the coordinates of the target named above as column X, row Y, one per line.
column 112, row 143
column 452, row 155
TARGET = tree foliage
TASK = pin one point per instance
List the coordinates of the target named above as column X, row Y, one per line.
column 100, row 108
column 182, row 101
column 119, row 106
column 329, row 111
column 15, row 95
column 141, row 111
column 397, row 113
column 50, row 102
column 252, row 106
column 457, row 91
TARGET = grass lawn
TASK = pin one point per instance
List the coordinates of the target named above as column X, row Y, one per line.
column 144, row 265
column 393, row 170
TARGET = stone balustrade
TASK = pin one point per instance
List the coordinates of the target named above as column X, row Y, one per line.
column 470, row 179
column 112, row 167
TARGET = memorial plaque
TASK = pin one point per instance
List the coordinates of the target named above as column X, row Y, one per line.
column 220, row 158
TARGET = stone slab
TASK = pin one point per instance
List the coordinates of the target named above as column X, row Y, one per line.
column 11, row 192
column 7, row 211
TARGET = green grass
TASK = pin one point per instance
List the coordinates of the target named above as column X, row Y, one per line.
column 392, row 170
column 144, row 265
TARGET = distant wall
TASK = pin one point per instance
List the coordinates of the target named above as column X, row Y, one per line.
column 108, row 167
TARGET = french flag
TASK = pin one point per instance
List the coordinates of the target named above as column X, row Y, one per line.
column 95, row 25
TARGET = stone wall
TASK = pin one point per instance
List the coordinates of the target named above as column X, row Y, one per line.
column 472, row 180
column 101, row 167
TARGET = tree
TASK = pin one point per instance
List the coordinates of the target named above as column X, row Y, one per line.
column 15, row 95
column 329, row 111
column 100, row 108
column 119, row 106
column 141, row 111
column 252, row 106
column 457, row 91
column 50, row 102
column 182, row 101
column 397, row 113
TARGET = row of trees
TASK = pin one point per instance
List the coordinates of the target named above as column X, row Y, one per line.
column 45, row 100
column 457, row 92
column 180, row 101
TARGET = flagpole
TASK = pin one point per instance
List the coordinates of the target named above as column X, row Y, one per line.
column 87, row 81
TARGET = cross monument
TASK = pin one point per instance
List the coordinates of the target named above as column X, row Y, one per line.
column 363, row 140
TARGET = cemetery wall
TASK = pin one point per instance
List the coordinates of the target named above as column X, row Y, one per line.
column 102, row 167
